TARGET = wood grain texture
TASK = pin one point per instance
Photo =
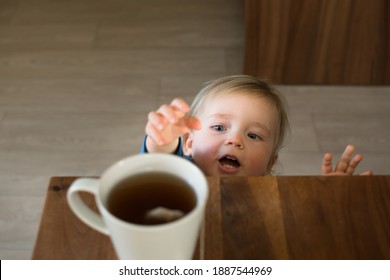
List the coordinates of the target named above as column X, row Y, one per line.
column 213, row 222
column 291, row 217
column 60, row 224
column 318, row 42
column 256, row 208
column 333, row 218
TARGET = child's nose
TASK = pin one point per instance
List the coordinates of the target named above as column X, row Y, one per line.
column 235, row 140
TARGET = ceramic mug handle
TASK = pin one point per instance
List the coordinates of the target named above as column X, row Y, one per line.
column 78, row 206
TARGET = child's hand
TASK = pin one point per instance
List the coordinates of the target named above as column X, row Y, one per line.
column 346, row 165
column 167, row 124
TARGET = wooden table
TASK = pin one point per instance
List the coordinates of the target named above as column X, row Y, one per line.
column 252, row 218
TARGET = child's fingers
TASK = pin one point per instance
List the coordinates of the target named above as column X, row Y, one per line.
column 347, row 164
column 180, row 108
column 343, row 164
column 157, row 120
column 180, row 105
column 169, row 113
column 366, row 173
column 154, row 134
column 327, row 164
column 353, row 163
column 170, row 121
column 193, row 123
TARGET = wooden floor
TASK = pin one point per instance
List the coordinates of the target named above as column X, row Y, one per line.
column 78, row 77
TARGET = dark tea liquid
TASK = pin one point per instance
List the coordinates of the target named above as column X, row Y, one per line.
column 131, row 199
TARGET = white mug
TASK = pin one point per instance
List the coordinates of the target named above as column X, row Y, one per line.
column 172, row 240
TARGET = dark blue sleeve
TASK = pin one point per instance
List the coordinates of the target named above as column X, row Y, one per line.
column 143, row 147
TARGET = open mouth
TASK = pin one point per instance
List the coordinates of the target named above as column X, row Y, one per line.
column 229, row 162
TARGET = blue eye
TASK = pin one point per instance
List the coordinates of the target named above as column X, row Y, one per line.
column 218, row 127
column 254, row 136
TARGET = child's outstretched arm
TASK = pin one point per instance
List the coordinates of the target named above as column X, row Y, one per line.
column 167, row 124
column 346, row 165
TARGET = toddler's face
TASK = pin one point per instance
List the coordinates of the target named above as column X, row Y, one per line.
column 236, row 138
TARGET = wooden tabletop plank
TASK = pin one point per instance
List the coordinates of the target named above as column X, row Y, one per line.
column 211, row 234
column 336, row 218
column 246, row 205
column 290, row 217
column 62, row 235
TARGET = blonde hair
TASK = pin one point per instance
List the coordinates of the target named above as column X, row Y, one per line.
column 253, row 86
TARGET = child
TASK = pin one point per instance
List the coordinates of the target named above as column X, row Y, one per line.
column 235, row 126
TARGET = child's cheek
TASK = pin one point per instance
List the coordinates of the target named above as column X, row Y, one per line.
column 257, row 165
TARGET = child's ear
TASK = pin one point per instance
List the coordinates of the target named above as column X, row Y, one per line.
column 187, row 144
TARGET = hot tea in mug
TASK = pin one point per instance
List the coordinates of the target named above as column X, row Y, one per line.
column 151, row 198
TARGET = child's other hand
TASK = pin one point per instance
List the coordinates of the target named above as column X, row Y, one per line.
column 346, row 165
column 170, row 122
